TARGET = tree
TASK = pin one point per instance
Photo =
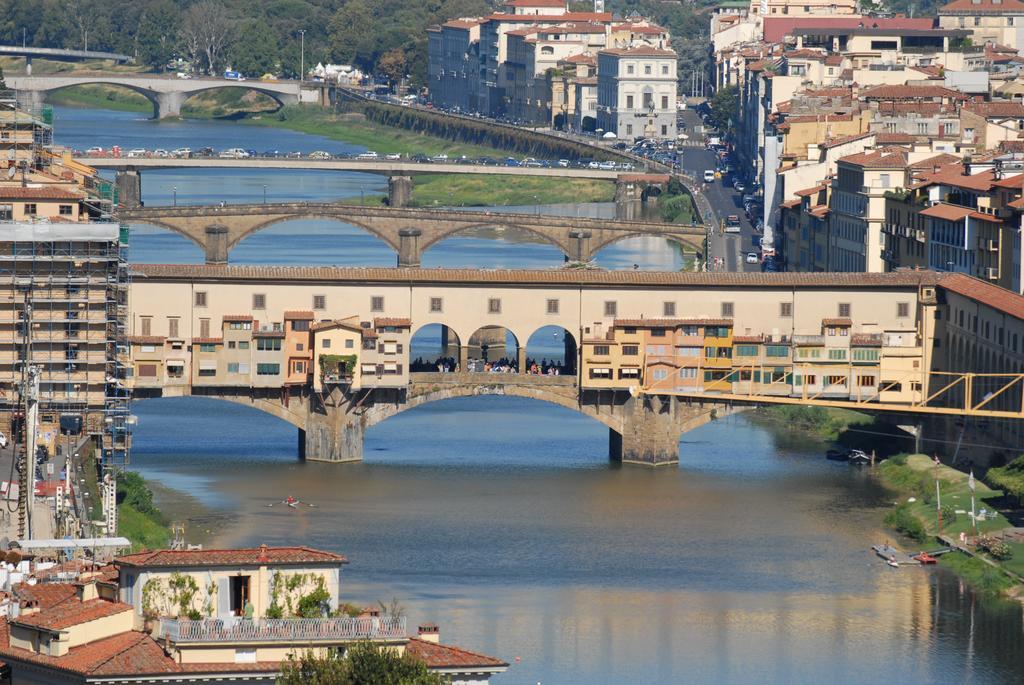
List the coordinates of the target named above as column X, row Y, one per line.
column 255, row 52
column 155, row 38
column 352, row 30
column 205, row 30
column 364, row 664
column 392, row 65
column 725, row 109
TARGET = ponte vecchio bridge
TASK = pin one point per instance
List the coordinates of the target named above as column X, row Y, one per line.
column 409, row 232
column 329, row 349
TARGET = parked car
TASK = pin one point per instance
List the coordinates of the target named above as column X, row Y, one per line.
column 709, row 176
column 319, row 154
column 563, row 163
column 393, row 156
column 233, row 153
column 752, row 258
column 512, row 161
column 183, row 152
column 369, row 154
column 94, row 151
column 421, row 159
column 160, row 152
column 441, row 158
column 138, row 152
column 530, row 162
column 607, row 166
column 294, row 154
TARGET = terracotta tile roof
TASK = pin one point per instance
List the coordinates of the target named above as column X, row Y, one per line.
column 1012, row 182
column 956, row 213
column 300, row 315
column 940, row 160
column 910, row 93
column 972, row 7
column 777, row 28
column 146, row 339
column 461, row 23
column 866, row 340
column 268, row 334
column 883, row 158
column 327, row 325
column 253, row 556
column 391, row 321
column 574, row 278
column 639, row 51
column 582, row 58
column 237, row 317
column 436, row 655
column 536, row 3
column 747, row 338
column 819, row 211
column 834, row 60
column 208, row 341
column 811, row 191
column 72, row 613
column 997, row 109
column 838, row 321
column 990, row 295
column 44, row 595
column 40, row 193
column 884, row 138
column 790, row 204
column 836, row 142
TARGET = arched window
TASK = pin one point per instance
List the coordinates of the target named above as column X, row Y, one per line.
column 547, row 50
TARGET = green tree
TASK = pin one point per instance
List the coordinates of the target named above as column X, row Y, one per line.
column 255, row 52
column 157, row 34
column 725, row 107
column 352, row 30
column 364, row 664
column 392, row 65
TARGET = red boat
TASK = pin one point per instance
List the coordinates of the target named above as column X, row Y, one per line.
column 925, row 558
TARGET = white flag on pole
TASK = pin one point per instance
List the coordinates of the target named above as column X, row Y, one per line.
column 970, row 481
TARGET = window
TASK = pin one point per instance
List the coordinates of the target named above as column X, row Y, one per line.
column 688, row 352
column 668, row 308
column 630, row 350
column 299, row 367
column 837, row 355
column 231, row 344
column 657, row 332
column 494, row 305
column 664, row 102
column 629, row 102
column 204, row 328
column 369, row 344
column 172, row 327
column 243, row 344
column 319, row 302
column 844, row 310
column 629, row 69
column 146, row 325
column 200, row 298
column 688, row 373
column 349, row 344
column 259, row 301
column 611, row 308
column 629, row 129
column 552, row 307
column 902, row 309
column 207, row 347
column 30, row 209
column 326, row 344
column 660, row 374
column 65, row 210
column 664, row 70
column 232, row 367
column 268, row 369
column 647, row 69
column 601, row 350
column 376, row 303
column 865, row 354
column 746, row 350
column 727, row 309
column 299, row 347
column 268, row 344
column 147, row 371
column 436, row 305
column 786, row 309
column 835, row 380
column 300, row 325
column 865, row 381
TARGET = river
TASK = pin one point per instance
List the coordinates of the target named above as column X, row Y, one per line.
column 502, row 519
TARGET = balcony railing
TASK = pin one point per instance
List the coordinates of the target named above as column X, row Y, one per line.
column 293, row 630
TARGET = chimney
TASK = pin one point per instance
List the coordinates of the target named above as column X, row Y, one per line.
column 263, row 558
column 429, row 632
column 86, row 590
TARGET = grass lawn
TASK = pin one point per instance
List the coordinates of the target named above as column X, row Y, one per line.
column 354, row 129
column 143, row 531
column 474, row 191
column 102, row 97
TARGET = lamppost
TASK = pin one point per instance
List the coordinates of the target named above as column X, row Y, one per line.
column 536, row 206
column 174, row 190
column 264, row 193
column 302, row 60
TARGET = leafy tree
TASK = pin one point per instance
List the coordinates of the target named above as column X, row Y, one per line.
column 725, row 107
column 351, row 34
column 156, row 37
column 392, row 65
column 206, row 28
column 363, row 664
column 255, row 52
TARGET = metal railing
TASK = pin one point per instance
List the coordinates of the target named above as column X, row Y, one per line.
column 298, row 630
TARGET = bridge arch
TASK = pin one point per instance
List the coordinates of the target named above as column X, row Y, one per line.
column 324, row 215
column 600, row 242
column 294, row 414
column 277, row 96
column 559, row 239
column 440, row 342
column 150, row 95
column 171, row 227
column 491, row 343
column 542, row 343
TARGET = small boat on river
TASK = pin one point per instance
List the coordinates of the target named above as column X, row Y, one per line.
column 925, row 558
column 893, row 556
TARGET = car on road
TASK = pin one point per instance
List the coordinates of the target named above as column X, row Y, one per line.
column 732, row 223
column 709, row 176
column 512, row 161
column 294, row 154
column 563, row 163
column 530, row 162
column 393, row 156
column 594, row 165
column 738, row 185
column 369, row 154
column 270, row 153
column 94, row 151
column 607, row 166
column 319, row 154
column 183, row 152
column 138, row 152
column 233, row 153
column 440, row 159
column 752, row 258
column 420, row 159
column 160, row 152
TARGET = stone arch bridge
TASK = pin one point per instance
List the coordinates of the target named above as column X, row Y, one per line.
column 410, row 232
column 166, row 94
column 332, row 426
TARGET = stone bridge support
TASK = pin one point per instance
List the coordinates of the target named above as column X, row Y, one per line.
column 129, row 189
column 334, row 432
column 652, row 426
column 409, row 252
column 580, row 240
column 216, row 244
column 399, row 191
column 168, row 105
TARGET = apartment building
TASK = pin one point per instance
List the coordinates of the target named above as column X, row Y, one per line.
column 636, row 92
column 989, row 21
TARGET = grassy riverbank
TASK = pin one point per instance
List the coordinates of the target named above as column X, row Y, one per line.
column 216, row 104
column 139, row 520
column 477, row 191
column 824, row 423
column 914, row 477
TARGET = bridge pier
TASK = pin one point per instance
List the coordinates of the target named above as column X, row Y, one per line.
column 129, row 188
column 581, row 244
column 399, row 191
column 409, row 253
column 333, row 436
column 650, row 433
column 217, row 244
column 168, row 104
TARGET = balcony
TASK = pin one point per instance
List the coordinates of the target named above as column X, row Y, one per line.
column 287, row 630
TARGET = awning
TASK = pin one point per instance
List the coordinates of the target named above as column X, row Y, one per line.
column 208, row 365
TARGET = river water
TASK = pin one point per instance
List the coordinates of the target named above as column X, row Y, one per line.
column 502, row 519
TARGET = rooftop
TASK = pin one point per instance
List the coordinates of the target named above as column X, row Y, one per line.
column 436, row 655
column 956, row 213
column 997, row 298
column 71, row 613
column 970, row 7
column 253, row 556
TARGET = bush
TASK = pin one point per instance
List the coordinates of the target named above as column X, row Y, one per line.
column 905, row 522
column 996, row 548
column 948, row 514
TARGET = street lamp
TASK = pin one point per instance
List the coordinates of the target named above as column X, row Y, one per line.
column 174, row 190
column 264, row 193
column 302, row 60
column 536, row 206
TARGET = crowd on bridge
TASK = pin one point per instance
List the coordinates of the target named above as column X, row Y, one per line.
column 503, row 365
